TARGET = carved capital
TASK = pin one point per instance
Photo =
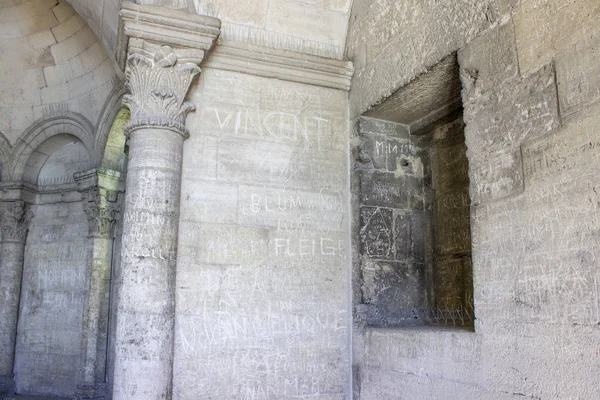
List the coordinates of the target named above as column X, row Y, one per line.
column 14, row 221
column 157, row 85
column 100, row 207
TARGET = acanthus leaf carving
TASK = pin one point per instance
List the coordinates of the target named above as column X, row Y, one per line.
column 101, row 210
column 15, row 218
column 157, row 87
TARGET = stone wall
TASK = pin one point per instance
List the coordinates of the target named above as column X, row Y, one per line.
column 531, row 111
column 262, row 285
column 50, row 60
column 53, row 291
column 392, row 42
column 390, row 242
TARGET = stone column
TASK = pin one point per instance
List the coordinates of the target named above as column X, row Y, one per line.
column 100, row 189
column 14, row 223
column 158, row 82
column 162, row 49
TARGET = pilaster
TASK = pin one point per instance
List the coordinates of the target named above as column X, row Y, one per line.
column 100, row 190
column 15, row 217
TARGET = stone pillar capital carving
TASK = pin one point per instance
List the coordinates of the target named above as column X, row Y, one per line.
column 100, row 190
column 100, row 207
column 15, row 217
column 160, row 50
column 158, row 83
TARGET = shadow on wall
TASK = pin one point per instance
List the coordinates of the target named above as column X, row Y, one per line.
column 412, row 207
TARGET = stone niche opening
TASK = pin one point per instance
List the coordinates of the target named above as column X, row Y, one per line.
column 412, row 231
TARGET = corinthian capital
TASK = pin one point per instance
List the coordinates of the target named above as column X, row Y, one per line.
column 158, row 85
column 162, row 48
column 14, row 221
column 100, row 207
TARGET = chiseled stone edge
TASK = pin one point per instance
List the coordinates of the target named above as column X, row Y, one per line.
column 280, row 64
column 164, row 26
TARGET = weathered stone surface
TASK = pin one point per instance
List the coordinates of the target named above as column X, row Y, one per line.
column 576, row 74
column 387, row 190
column 394, row 293
column 493, row 134
column 544, row 27
column 263, row 268
column 391, row 43
column 54, row 282
column 492, row 58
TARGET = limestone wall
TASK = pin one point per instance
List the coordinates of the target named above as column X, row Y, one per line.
column 531, row 111
column 262, row 284
column 53, row 292
column 315, row 27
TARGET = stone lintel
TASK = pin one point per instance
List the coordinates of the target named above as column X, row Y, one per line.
column 102, row 177
column 165, row 27
column 281, row 64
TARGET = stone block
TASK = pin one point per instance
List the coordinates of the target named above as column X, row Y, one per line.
column 545, row 27
column 373, row 151
column 63, row 11
column 255, row 162
column 387, row 128
column 208, row 201
column 377, row 233
column 394, row 293
column 253, row 13
column 568, row 153
column 73, row 45
column 492, row 57
column 37, row 24
column 290, row 211
column 68, row 28
column 306, row 21
column 403, row 158
column 202, row 243
column 11, row 97
column 42, row 40
column 385, row 189
column 496, row 177
column 578, row 75
column 519, row 110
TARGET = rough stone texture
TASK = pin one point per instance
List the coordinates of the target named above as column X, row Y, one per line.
column 49, row 332
column 532, row 165
column 388, row 185
column 412, row 241
column 544, row 27
column 435, row 92
column 391, row 42
column 262, row 291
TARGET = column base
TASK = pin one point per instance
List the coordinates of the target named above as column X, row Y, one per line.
column 7, row 385
column 91, row 392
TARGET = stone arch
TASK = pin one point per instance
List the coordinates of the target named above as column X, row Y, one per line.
column 5, row 156
column 60, row 129
column 106, row 132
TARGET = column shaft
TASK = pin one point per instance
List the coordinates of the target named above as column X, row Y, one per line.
column 145, row 321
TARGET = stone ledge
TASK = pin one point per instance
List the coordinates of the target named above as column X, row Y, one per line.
column 280, row 64
column 164, row 26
